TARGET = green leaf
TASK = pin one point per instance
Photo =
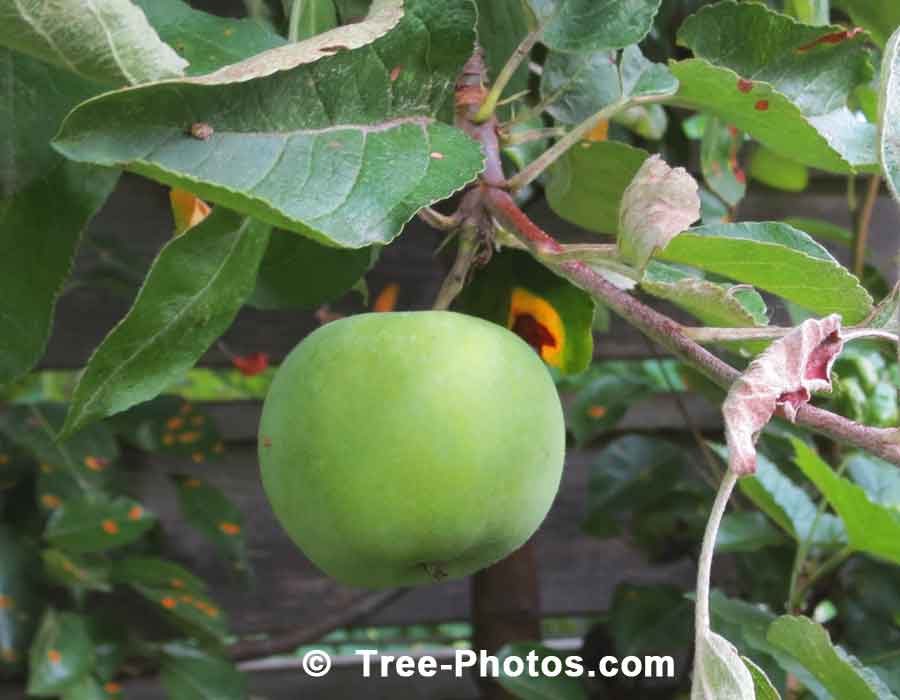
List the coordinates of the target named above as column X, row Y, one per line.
column 650, row 619
column 778, row 258
column 189, row 673
column 77, row 572
column 206, row 508
column 346, row 162
column 298, row 273
column 871, row 527
column 835, row 141
column 774, row 170
column 719, row 161
column 19, row 566
column 889, row 115
column 761, row 683
column 38, row 240
column 206, row 41
column 192, row 292
column 86, row 460
column 61, row 655
column 719, row 672
column 98, row 523
column 816, row 68
column 747, row 532
column 714, row 303
column 842, row 675
column 594, row 25
column 190, row 610
column 156, row 573
column 307, row 18
column 878, row 18
column 580, row 84
column 622, row 475
column 542, row 686
column 109, row 42
column 169, row 424
column 502, row 24
column 788, row 505
column 545, row 310
column 586, row 185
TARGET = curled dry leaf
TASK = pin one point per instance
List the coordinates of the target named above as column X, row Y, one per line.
column 660, row 203
column 784, row 376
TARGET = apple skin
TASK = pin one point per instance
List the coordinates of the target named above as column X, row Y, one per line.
column 399, row 449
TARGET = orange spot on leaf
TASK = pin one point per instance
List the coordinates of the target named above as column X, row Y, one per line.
column 96, row 464
column 600, row 132
column 6, row 602
column 110, row 527
column 168, row 603
column 744, row 85
column 198, row 457
column 189, row 437
column 740, row 175
column 230, row 528
column 252, row 364
column 185, row 409
column 192, row 483
column 219, row 448
column 4, row 459
column 437, row 155
column 761, row 106
column 168, row 439
column 387, row 298
column 175, row 423
column 832, row 38
column 51, row 501
column 54, row 656
column 176, row 583
column 395, row 73
column 112, row 688
column 596, row 411
column 538, row 323
column 136, row 513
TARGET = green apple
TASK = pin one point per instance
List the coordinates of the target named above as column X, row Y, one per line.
column 403, row 448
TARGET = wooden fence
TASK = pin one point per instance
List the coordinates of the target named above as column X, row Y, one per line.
column 576, row 574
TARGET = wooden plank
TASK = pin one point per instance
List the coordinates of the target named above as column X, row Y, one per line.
column 138, row 214
column 578, row 574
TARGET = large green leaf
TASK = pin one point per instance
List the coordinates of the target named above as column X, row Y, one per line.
column 586, row 185
column 189, row 673
column 871, row 527
column 336, row 138
column 839, row 673
column 714, row 303
column 108, row 41
column 190, row 610
column 86, row 461
column 594, row 25
column 212, row 513
column 889, row 115
column 97, row 523
column 835, row 141
column 193, row 291
column 297, row 272
column 816, row 68
column 878, row 17
column 788, row 505
column 206, row 41
column 778, row 258
column 45, row 203
column 61, row 654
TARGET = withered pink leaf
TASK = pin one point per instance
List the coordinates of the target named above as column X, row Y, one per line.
column 660, row 203
column 784, row 376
